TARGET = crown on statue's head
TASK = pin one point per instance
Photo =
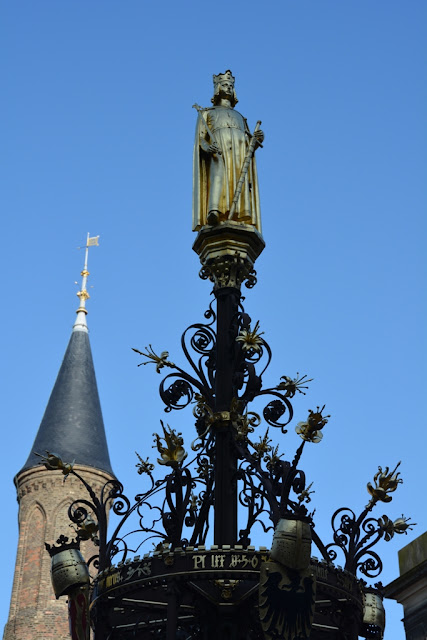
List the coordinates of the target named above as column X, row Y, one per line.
column 221, row 77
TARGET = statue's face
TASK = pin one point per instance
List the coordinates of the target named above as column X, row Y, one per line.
column 226, row 88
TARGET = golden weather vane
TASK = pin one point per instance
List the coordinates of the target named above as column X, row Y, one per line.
column 83, row 295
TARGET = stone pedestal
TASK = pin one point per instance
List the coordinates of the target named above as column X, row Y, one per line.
column 410, row 589
column 228, row 252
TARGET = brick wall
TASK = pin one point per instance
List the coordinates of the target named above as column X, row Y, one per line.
column 43, row 498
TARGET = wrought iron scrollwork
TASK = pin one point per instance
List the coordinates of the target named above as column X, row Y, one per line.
column 185, row 501
column 177, row 389
column 277, row 408
column 174, row 512
column 178, row 394
column 355, row 538
column 267, row 482
column 251, row 352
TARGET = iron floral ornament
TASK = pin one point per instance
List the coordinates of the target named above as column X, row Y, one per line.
column 174, row 510
column 356, row 536
column 385, row 482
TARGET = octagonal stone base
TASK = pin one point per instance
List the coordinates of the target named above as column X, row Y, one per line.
column 228, row 252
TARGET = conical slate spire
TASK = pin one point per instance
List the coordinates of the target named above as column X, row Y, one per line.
column 72, row 425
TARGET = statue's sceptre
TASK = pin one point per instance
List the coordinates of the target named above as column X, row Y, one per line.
column 244, row 171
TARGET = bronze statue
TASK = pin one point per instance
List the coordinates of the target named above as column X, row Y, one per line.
column 225, row 178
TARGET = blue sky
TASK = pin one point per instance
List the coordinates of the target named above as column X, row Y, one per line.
column 97, row 135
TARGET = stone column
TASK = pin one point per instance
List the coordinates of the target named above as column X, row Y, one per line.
column 410, row 589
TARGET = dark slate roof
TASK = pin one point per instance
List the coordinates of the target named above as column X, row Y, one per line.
column 72, row 425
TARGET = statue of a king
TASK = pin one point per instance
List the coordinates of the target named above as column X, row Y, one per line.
column 224, row 162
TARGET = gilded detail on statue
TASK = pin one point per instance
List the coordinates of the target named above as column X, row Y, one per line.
column 225, row 177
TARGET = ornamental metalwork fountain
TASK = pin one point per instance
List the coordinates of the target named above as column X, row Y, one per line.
column 203, row 579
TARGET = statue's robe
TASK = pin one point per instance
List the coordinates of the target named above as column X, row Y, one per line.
column 215, row 177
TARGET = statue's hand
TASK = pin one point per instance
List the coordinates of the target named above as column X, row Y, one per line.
column 259, row 136
column 213, row 148
column 210, row 148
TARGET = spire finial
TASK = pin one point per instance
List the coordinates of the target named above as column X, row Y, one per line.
column 80, row 324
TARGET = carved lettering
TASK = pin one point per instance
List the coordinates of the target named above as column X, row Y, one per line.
column 234, row 561
column 112, row 579
column 217, row 561
column 228, row 561
column 254, row 562
column 199, row 562
column 321, row 572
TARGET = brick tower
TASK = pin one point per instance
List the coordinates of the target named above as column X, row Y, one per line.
column 72, row 427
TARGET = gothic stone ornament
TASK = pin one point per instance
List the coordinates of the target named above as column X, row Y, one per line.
column 286, row 602
column 230, row 271
column 373, row 615
column 228, row 253
column 292, row 543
